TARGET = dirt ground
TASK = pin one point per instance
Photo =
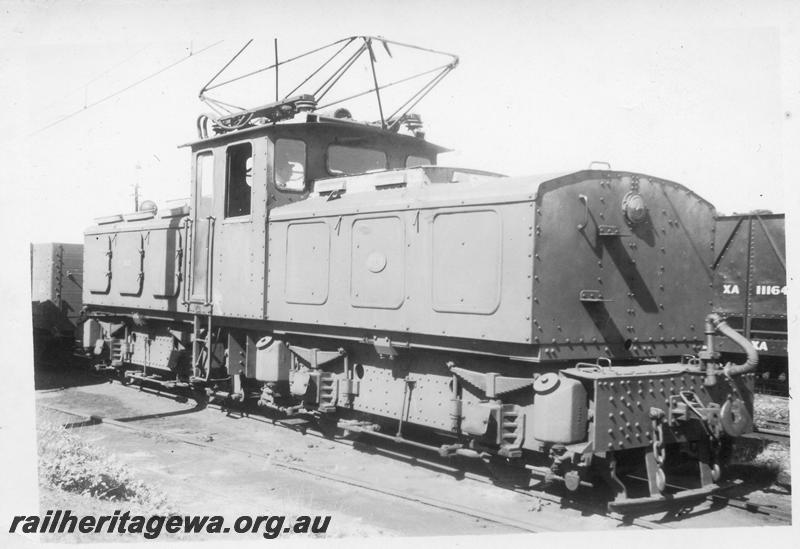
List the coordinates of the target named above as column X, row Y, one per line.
column 203, row 480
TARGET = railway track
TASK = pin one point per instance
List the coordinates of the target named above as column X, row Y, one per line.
column 523, row 526
column 670, row 520
column 531, row 526
column 774, row 430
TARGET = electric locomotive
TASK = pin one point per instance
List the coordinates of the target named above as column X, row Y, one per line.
column 331, row 268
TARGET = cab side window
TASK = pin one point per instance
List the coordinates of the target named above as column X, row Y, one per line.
column 414, row 161
column 239, row 180
column 343, row 160
column 290, row 165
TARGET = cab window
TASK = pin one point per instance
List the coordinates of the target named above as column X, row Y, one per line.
column 239, row 180
column 414, row 161
column 290, row 165
column 205, row 175
column 354, row 160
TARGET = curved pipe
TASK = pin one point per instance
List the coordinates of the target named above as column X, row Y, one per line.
column 752, row 356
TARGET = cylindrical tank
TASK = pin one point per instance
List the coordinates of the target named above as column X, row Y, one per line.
column 559, row 409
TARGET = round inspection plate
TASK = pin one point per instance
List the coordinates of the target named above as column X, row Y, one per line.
column 376, row 262
column 546, row 383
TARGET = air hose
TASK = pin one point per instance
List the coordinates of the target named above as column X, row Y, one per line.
column 752, row 356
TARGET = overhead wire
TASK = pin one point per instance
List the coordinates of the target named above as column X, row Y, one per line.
column 126, row 88
column 96, row 78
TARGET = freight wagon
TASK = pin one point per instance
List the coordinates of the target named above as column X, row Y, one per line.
column 750, row 290
column 56, row 297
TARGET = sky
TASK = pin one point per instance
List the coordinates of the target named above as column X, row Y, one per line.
column 705, row 94
column 702, row 96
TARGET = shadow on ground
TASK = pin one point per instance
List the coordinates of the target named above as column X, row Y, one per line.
column 61, row 371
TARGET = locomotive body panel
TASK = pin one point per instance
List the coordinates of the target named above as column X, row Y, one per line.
column 608, row 286
column 137, row 264
column 412, row 261
column 467, row 269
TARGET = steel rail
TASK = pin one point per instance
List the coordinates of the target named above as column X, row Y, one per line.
column 776, row 435
column 524, row 526
column 590, row 506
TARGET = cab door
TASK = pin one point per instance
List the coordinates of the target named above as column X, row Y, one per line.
column 229, row 230
column 202, row 229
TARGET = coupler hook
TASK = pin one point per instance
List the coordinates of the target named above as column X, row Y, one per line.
column 656, row 478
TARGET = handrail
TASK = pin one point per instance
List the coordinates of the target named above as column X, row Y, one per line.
column 187, row 284
column 209, row 258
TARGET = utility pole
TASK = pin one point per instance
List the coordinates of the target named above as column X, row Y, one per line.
column 136, row 188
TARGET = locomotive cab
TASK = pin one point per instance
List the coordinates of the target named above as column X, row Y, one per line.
column 240, row 177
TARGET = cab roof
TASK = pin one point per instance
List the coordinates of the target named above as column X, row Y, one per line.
column 314, row 122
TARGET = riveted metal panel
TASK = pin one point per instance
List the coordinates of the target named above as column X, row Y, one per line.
column 467, row 262
column 509, row 259
column 750, row 280
column 152, row 351
column 624, row 396
column 97, row 264
column 426, row 398
column 163, row 256
column 768, row 276
column 606, row 285
column 42, row 267
column 377, row 268
column 732, row 244
column 239, row 256
column 56, row 280
column 622, row 406
column 138, row 280
column 126, row 265
column 307, row 263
